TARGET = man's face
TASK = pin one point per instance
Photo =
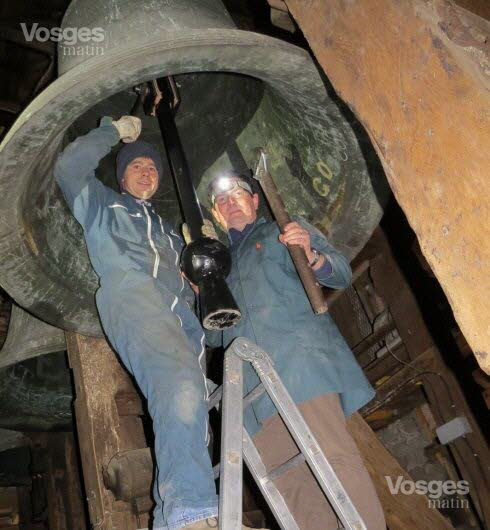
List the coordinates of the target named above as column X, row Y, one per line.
column 236, row 208
column 141, row 178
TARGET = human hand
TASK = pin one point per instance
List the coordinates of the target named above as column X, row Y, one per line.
column 207, row 230
column 186, row 234
column 295, row 234
column 128, row 127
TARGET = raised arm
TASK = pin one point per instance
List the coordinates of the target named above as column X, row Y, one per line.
column 74, row 169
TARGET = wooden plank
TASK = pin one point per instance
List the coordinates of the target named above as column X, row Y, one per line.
column 72, row 485
column 407, row 375
column 102, row 433
column 128, row 404
column 377, row 336
column 471, row 451
column 63, row 490
column 401, row 511
column 386, row 365
column 415, row 73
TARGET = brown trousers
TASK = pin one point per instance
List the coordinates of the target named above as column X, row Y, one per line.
column 299, row 487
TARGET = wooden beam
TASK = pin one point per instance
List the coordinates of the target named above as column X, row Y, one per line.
column 401, row 511
column 416, row 74
column 444, row 393
column 408, row 375
column 386, row 365
column 63, row 490
column 376, row 336
column 129, row 404
column 102, row 432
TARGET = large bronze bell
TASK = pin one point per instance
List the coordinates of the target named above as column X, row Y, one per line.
column 29, row 337
column 240, row 90
column 35, row 384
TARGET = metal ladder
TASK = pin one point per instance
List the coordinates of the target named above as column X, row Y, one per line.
column 237, row 444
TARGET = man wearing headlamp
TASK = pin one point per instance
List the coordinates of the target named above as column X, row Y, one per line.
column 308, row 351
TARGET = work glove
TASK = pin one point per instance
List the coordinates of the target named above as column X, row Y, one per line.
column 128, row 127
column 207, row 231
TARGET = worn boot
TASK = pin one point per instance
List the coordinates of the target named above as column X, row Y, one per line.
column 211, row 522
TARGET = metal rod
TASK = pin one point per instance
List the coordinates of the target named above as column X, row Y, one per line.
column 215, row 398
column 205, row 261
column 272, row 495
column 253, row 395
column 281, row 469
column 231, row 467
column 165, row 112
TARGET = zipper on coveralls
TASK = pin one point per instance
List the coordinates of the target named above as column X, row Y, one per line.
column 152, row 244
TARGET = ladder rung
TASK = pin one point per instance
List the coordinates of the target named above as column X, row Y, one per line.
column 282, row 468
column 217, row 395
column 253, row 395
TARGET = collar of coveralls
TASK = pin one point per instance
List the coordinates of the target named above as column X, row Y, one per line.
column 236, row 235
column 139, row 201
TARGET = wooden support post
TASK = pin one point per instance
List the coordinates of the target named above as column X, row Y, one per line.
column 63, row 491
column 102, row 431
column 401, row 511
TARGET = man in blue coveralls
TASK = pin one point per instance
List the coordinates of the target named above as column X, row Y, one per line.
column 308, row 351
column 145, row 310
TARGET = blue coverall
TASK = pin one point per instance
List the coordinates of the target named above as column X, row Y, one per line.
column 145, row 310
column 309, row 353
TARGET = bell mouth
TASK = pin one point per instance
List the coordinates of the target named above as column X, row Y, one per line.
column 221, row 319
column 48, row 271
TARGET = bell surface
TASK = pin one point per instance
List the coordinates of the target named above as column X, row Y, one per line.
column 29, row 337
column 240, row 91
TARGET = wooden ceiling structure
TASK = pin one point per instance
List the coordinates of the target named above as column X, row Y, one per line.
column 417, row 76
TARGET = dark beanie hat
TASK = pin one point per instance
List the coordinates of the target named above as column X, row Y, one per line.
column 134, row 150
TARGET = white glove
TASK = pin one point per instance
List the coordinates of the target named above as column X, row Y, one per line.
column 207, row 230
column 128, row 127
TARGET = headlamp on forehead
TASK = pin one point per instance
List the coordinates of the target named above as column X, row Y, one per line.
column 225, row 184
